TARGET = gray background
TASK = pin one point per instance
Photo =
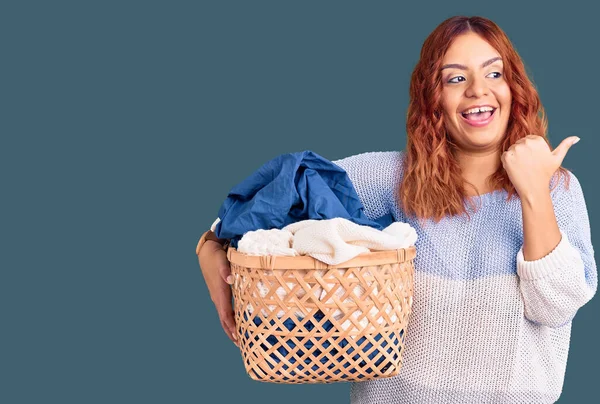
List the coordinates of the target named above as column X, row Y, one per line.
column 125, row 124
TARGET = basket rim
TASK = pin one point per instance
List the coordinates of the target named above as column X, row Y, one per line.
column 271, row 262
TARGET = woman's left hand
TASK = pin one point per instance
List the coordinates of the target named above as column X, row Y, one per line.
column 530, row 163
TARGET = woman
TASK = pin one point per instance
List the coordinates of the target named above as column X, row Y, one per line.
column 504, row 258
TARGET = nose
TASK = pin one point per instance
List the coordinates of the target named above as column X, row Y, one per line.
column 477, row 88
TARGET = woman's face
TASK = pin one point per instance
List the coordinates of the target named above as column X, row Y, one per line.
column 472, row 76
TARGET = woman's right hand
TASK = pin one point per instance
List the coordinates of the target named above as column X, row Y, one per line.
column 217, row 275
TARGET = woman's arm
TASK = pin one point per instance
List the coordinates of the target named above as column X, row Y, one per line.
column 556, row 285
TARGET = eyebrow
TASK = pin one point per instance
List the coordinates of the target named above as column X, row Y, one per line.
column 463, row 67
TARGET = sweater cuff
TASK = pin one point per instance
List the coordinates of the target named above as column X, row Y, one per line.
column 553, row 263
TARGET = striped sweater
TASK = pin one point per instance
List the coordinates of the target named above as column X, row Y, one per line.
column 486, row 325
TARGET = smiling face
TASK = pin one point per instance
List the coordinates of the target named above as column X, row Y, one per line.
column 475, row 97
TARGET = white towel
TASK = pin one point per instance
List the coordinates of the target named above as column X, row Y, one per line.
column 338, row 240
column 332, row 241
column 267, row 242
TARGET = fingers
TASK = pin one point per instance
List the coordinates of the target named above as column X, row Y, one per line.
column 217, row 275
column 216, row 250
column 225, row 271
column 228, row 324
column 225, row 312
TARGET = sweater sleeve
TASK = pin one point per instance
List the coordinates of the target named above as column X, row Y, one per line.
column 554, row 287
column 374, row 176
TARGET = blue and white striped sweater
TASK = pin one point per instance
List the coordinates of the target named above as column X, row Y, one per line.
column 486, row 325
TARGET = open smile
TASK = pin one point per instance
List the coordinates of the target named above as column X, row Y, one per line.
column 479, row 119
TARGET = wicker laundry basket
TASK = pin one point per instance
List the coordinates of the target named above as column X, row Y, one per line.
column 300, row 320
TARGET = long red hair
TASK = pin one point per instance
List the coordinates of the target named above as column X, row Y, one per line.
column 432, row 185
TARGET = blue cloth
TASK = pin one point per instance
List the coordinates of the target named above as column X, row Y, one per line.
column 290, row 188
column 333, row 355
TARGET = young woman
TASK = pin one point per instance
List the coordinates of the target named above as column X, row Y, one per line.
column 504, row 254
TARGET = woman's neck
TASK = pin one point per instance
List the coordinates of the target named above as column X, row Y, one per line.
column 476, row 168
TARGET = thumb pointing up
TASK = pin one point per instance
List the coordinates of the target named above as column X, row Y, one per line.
column 561, row 150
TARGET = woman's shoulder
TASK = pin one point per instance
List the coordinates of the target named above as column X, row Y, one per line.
column 375, row 163
column 374, row 156
column 377, row 172
column 375, row 176
column 565, row 184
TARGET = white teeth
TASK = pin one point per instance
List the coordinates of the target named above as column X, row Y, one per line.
column 475, row 110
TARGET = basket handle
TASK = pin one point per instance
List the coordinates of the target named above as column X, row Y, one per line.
column 267, row 261
column 400, row 253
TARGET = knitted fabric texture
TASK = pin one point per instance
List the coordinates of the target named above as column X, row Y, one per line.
column 486, row 325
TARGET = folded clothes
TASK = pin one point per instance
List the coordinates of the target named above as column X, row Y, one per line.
column 287, row 189
column 304, row 204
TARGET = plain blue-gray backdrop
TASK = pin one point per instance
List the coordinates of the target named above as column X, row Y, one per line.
column 125, row 124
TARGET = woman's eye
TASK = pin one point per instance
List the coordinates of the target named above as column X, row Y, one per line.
column 458, row 79
column 453, row 80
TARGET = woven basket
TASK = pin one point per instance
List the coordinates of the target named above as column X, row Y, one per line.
column 300, row 320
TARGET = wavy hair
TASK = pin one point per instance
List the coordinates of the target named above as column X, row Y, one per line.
column 432, row 185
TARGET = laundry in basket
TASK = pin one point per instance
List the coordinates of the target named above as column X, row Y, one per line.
column 287, row 189
column 331, row 241
column 320, row 345
column 334, row 322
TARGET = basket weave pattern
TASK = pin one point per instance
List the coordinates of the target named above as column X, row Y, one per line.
column 300, row 320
